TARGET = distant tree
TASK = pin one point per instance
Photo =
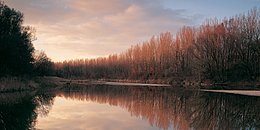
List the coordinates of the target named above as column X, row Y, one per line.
column 43, row 66
column 16, row 47
column 219, row 50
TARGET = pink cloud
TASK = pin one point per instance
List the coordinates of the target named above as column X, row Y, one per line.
column 69, row 29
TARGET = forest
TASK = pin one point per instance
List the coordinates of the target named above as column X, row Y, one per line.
column 218, row 50
column 18, row 56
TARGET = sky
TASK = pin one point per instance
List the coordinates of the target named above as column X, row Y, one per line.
column 75, row 29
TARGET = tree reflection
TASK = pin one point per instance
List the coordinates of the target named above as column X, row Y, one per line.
column 44, row 103
column 180, row 109
column 223, row 111
column 162, row 107
column 19, row 111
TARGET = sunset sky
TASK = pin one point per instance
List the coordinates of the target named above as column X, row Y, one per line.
column 70, row 29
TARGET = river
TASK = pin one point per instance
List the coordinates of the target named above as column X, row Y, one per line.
column 106, row 107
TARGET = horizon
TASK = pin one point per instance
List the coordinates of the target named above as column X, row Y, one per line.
column 67, row 30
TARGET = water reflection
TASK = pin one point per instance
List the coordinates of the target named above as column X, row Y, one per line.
column 223, row 111
column 166, row 107
column 163, row 108
column 19, row 111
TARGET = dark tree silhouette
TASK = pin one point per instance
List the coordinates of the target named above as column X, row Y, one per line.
column 43, row 66
column 16, row 47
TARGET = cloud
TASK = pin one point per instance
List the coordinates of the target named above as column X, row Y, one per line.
column 69, row 29
column 97, row 8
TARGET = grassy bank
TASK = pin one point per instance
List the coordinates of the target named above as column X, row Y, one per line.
column 12, row 84
column 194, row 84
column 241, row 85
column 149, row 81
column 15, row 84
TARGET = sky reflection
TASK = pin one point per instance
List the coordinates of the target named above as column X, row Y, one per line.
column 68, row 114
column 104, row 107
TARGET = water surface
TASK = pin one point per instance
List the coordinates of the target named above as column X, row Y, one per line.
column 103, row 107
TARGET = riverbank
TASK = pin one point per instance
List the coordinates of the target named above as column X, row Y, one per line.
column 16, row 84
column 193, row 83
column 12, row 84
column 189, row 84
column 240, row 92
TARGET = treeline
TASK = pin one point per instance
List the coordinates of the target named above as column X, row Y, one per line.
column 17, row 54
column 218, row 50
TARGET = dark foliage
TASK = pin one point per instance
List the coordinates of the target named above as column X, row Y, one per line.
column 43, row 66
column 16, row 47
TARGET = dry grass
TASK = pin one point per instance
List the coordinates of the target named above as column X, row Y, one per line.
column 149, row 81
column 11, row 84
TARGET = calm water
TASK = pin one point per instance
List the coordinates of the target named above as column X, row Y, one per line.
column 127, row 108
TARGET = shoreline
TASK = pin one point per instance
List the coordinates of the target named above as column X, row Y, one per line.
column 14, row 84
column 132, row 84
column 239, row 92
